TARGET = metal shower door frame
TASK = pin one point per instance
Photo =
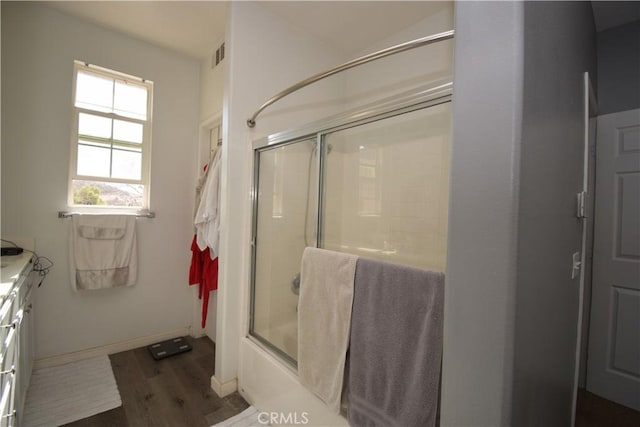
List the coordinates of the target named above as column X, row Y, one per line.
column 390, row 107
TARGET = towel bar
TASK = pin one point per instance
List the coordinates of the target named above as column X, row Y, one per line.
column 145, row 214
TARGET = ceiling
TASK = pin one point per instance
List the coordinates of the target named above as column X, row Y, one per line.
column 609, row 14
column 191, row 27
column 195, row 27
column 351, row 26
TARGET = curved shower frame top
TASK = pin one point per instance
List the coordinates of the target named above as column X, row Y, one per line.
column 424, row 41
column 401, row 103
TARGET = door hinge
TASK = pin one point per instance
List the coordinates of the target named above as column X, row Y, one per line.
column 576, row 265
column 581, row 205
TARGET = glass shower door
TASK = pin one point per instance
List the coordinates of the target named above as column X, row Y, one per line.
column 380, row 190
column 285, row 214
column 387, row 188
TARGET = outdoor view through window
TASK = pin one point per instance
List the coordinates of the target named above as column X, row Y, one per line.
column 111, row 139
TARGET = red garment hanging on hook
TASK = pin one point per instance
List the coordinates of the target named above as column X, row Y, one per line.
column 195, row 270
column 204, row 273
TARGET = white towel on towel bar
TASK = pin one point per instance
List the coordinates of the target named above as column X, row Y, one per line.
column 103, row 251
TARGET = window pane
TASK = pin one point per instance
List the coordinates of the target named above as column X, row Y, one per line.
column 97, row 126
column 287, row 190
column 107, row 193
column 93, row 161
column 127, row 164
column 94, row 92
column 127, row 131
column 130, row 100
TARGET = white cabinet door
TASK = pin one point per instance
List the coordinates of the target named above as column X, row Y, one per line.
column 25, row 346
column 614, row 338
column 9, row 319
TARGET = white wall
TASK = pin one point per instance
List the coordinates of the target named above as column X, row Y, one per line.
column 38, row 49
column 511, row 308
column 480, row 283
column 548, row 231
column 265, row 55
column 211, row 95
column 618, row 68
column 211, row 88
column 405, row 71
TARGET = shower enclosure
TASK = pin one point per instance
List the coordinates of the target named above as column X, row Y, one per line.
column 371, row 182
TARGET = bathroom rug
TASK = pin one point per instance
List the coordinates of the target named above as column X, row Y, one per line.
column 62, row 394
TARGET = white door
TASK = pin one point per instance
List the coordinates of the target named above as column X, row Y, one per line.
column 614, row 338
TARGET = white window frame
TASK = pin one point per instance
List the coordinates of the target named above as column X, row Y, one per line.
column 145, row 178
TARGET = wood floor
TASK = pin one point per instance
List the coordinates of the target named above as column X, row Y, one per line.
column 172, row 392
column 594, row 411
column 176, row 392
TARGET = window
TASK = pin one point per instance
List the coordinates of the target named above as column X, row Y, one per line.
column 111, row 139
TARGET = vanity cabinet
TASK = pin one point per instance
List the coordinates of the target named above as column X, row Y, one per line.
column 16, row 337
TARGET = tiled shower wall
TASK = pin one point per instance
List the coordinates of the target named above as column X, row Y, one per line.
column 387, row 189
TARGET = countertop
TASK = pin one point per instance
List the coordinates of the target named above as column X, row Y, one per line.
column 12, row 268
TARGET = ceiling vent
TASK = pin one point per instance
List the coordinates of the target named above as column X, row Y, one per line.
column 218, row 56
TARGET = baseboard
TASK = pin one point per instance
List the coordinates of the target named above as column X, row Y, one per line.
column 108, row 349
column 223, row 389
column 199, row 333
